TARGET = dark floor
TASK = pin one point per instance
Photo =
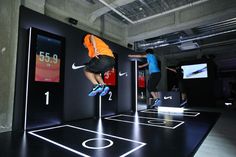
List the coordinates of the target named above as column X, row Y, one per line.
column 145, row 134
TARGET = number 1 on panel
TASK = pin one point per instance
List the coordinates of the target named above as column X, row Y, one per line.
column 47, row 97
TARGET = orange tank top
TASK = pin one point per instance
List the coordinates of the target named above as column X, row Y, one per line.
column 102, row 47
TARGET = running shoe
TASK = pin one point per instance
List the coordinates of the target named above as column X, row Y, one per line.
column 105, row 90
column 156, row 103
column 97, row 89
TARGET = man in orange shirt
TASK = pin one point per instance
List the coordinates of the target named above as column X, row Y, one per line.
column 102, row 60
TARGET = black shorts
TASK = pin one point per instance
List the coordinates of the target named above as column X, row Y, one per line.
column 153, row 81
column 100, row 65
column 181, row 86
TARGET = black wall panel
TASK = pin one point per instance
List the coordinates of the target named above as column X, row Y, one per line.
column 77, row 105
column 45, row 86
column 125, row 98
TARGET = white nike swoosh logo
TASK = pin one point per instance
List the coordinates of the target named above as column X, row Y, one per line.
column 122, row 74
column 167, row 97
column 77, row 67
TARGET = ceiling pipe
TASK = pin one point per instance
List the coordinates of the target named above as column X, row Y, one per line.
column 153, row 16
column 207, row 51
column 226, row 27
column 220, row 26
column 220, row 43
column 226, row 22
column 185, row 40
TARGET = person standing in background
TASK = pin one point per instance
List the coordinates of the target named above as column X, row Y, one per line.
column 179, row 74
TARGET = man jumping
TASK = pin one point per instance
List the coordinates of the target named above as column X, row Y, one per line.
column 101, row 60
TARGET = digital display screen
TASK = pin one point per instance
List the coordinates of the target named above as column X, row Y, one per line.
column 195, row 71
column 110, row 77
column 48, row 50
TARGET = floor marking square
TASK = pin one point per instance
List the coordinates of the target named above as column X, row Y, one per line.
column 87, row 143
column 148, row 121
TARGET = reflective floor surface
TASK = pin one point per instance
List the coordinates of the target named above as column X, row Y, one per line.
column 143, row 134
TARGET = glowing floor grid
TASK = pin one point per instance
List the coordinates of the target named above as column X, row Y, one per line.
column 86, row 142
column 132, row 134
column 148, row 121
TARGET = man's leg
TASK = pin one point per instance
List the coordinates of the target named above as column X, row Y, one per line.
column 154, row 95
column 97, row 87
column 99, row 79
column 91, row 77
column 183, row 95
column 183, row 99
column 105, row 88
column 157, row 95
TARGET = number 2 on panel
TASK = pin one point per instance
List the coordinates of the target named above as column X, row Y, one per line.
column 142, row 96
column 110, row 95
column 47, row 97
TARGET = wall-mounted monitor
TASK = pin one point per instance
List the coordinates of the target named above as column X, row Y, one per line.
column 47, row 68
column 195, row 71
column 46, row 52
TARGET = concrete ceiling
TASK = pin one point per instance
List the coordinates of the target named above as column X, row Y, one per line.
column 142, row 22
column 151, row 22
column 147, row 19
column 142, row 10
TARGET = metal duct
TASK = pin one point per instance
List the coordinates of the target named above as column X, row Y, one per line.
column 183, row 40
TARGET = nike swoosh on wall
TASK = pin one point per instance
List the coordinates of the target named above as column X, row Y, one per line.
column 167, row 97
column 74, row 67
column 122, row 74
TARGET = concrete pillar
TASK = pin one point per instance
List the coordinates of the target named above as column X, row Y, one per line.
column 9, row 12
column 36, row 5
